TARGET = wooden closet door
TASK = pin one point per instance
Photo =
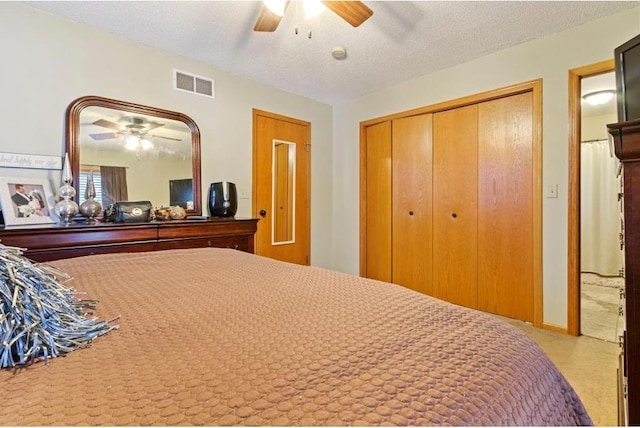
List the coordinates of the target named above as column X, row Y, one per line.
column 378, row 202
column 455, row 205
column 412, row 202
column 505, row 207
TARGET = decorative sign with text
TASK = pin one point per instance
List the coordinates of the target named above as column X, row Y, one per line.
column 16, row 160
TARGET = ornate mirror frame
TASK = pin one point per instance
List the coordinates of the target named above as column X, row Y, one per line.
column 73, row 137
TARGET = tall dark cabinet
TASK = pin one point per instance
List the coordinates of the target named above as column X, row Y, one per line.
column 626, row 137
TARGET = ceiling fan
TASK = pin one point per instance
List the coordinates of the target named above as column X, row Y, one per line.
column 133, row 127
column 354, row 12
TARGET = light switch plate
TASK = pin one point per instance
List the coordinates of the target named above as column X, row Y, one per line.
column 244, row 193
column 551, row 191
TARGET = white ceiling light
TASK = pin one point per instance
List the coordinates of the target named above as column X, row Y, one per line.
column 276, row 6
column 131, row 142
column 146, row 144
column 137, row 143
column 599, row 97
column 313, row 8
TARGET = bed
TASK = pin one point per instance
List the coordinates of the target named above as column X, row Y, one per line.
column 221, row 337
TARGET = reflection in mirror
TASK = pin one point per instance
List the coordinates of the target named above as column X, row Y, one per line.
column 136, row 157
column 284, row 184
column 135, row 153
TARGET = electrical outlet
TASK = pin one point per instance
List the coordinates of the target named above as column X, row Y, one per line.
column 551, row 191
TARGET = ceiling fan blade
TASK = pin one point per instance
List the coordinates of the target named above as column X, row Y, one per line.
column 104, row 136
column 107, row 124
column 153, row 125
column 166, row 138
column 268, row 21
column 354, row 12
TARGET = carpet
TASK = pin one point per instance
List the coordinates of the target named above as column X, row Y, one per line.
column 600, row 302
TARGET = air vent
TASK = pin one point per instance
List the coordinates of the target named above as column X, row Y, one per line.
column 195, row 84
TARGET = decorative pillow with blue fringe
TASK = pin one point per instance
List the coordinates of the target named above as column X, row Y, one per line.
column 39, row 317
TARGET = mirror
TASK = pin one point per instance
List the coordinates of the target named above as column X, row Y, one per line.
column 135, row 153
column 283, row 191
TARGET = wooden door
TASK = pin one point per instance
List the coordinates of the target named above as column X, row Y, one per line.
column 377, row 185
column 281, row 186
column 455, row 205
column 412, row 202
column 506, row 207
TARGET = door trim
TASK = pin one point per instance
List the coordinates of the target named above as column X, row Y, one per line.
column 533, row 86
column 575, row 122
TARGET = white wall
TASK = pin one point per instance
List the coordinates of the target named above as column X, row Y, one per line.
column 549, row 58
column 595, row 127
column 47, row 62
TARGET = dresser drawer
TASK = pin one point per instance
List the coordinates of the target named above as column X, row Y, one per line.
column 236, row 242
column 200, row 229
column 48, row 254
column 78, row 236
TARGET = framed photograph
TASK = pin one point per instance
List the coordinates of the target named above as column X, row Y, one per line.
column 26, row 201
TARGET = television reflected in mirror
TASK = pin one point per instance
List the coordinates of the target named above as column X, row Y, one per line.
column 181, row 193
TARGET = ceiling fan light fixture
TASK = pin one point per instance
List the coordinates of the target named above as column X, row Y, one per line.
column 599, row 97
column 131, row 142
column 353, row 12
column 276, row 7
column 137, row 143
column 313, row 8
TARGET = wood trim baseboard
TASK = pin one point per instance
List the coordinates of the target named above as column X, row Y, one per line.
column 556, row 328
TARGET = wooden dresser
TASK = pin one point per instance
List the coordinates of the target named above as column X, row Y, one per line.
column 626, row 136
column 55, row 241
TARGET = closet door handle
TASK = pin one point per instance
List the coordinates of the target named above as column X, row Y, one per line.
column 454, row 215
column 410, row 212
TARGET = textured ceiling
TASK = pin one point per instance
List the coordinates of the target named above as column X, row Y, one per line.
column 402, row 40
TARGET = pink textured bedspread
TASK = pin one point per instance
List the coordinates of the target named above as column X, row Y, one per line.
column 221, row 337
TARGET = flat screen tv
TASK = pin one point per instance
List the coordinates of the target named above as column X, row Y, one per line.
column 627, row 62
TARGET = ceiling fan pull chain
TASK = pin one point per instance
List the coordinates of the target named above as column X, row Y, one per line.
column 309, row 33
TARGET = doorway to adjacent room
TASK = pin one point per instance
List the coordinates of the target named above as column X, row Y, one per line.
column 595, row 257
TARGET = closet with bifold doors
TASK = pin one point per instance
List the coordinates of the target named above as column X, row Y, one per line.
column 451, row 201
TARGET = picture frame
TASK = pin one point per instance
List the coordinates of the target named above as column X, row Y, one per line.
column 26, row 201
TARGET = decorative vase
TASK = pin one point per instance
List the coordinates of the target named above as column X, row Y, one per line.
column 90, row 208
column 66, row 208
